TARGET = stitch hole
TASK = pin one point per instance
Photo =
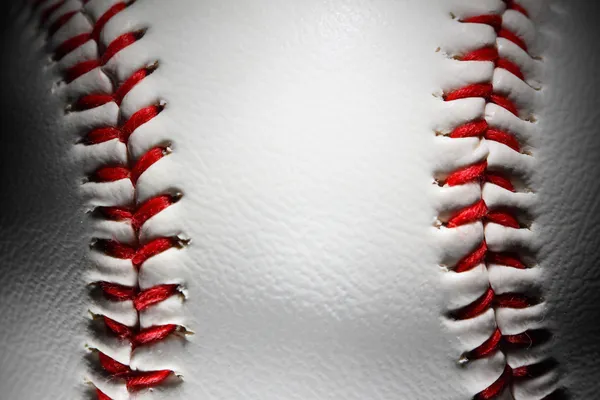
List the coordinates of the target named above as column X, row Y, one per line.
column 150, row 68
column 140, row 33
column 166, row 147
column 524, row 259
column 463, row 360
column 182, row 293
column 525, row 218
column 117, row 214
column 113, row 248
column 182, row 331
column 96, row 293
column 154, row 109
column 175, row 195
column 182, row 241
column 128, row 84
column 97, row 328
column 443, row 218
column 50, row 62
column 57, row 86
column 529, row 259
column 90, row 392
column 91, row 359
column 100, row 135
column 439, row 182
column 527, row 152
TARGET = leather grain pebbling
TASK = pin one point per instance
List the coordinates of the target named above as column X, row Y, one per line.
column 302, row 139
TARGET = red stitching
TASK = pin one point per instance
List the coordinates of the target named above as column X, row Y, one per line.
column 495, row 21
column 479, row 211
column 134, row 380
column 104, row 18
column 135, row 214
column 147, row 160
column 117, row 292
column 511, row 5
column 80, row 69
column 119, row 330
column 117, row 45
column 149, row 209
column 50, row 10
column 112, row 366
column 71, row 45
column 60, row 22
column 152, row 249
column 133, row 80
column 154, row 296
column 477, row 307
column 138, row 119
column 506, row 259
column 496, row 388
column 101, row 396
column 510, row 67
column 487, row 347
column 141, row 381
column 153, row 334
column 92, row 101
column 473, row 259
column 101, row 135
column 110, row 174
column 506, row 34
column 141, row 300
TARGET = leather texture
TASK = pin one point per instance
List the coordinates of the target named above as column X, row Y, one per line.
column 303, row 144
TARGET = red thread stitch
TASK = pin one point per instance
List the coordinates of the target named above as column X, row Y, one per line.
column 135, row 214
column 479, row 211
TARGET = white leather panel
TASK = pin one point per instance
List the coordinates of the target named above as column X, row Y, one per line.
column 302, row 153
column 567, row 224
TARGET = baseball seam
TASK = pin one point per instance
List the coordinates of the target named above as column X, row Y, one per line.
column 506, row 219
column 117, row 180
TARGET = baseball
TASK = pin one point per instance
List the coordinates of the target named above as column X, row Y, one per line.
column 299, row 200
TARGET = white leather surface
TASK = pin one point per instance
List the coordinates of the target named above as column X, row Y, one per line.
column 302, row 137
column 43, row 238
column 569, row 191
